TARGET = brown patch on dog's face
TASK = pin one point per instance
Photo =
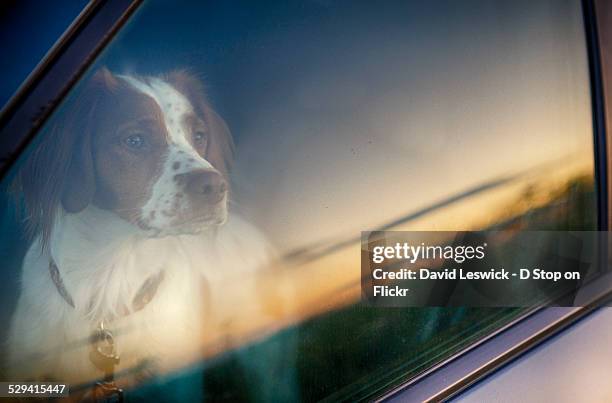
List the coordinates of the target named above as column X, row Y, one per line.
column 130, row 142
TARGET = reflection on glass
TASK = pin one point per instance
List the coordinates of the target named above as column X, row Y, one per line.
column 357, row 117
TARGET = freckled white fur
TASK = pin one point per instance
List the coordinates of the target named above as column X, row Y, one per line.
column 174, row 107
column 104, row 260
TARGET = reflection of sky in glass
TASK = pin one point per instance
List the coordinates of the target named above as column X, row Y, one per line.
column 28, row 28
column 349, row 115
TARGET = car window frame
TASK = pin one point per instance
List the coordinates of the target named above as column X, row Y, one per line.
column 95, row 27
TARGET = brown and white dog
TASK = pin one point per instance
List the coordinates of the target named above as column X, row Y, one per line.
column 127, row 200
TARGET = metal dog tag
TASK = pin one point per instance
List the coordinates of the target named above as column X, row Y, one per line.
column 103, row 353
column 104, row 357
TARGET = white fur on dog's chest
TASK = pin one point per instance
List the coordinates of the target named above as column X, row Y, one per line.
column 100, row 285
column 102, row 273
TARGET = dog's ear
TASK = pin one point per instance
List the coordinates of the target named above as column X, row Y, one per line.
column 220, row 149
column 59, row 171
column 80, row 181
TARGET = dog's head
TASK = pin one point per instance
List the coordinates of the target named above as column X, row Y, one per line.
column 149, row 149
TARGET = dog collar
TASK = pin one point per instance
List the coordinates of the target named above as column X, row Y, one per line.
column 145, row 293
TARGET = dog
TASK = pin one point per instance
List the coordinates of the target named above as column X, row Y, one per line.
column 126, row 199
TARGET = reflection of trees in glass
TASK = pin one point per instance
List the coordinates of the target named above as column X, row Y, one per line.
column 359, row 349
column 570, row 206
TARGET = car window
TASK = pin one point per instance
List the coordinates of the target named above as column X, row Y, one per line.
column 345, row 117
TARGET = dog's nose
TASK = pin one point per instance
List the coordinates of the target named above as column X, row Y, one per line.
column 206, row 184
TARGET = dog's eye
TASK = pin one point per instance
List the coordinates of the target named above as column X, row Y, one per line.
column 199, row 138
column 134, row 141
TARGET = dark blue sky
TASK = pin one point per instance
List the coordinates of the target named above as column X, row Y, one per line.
column 28, row 28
